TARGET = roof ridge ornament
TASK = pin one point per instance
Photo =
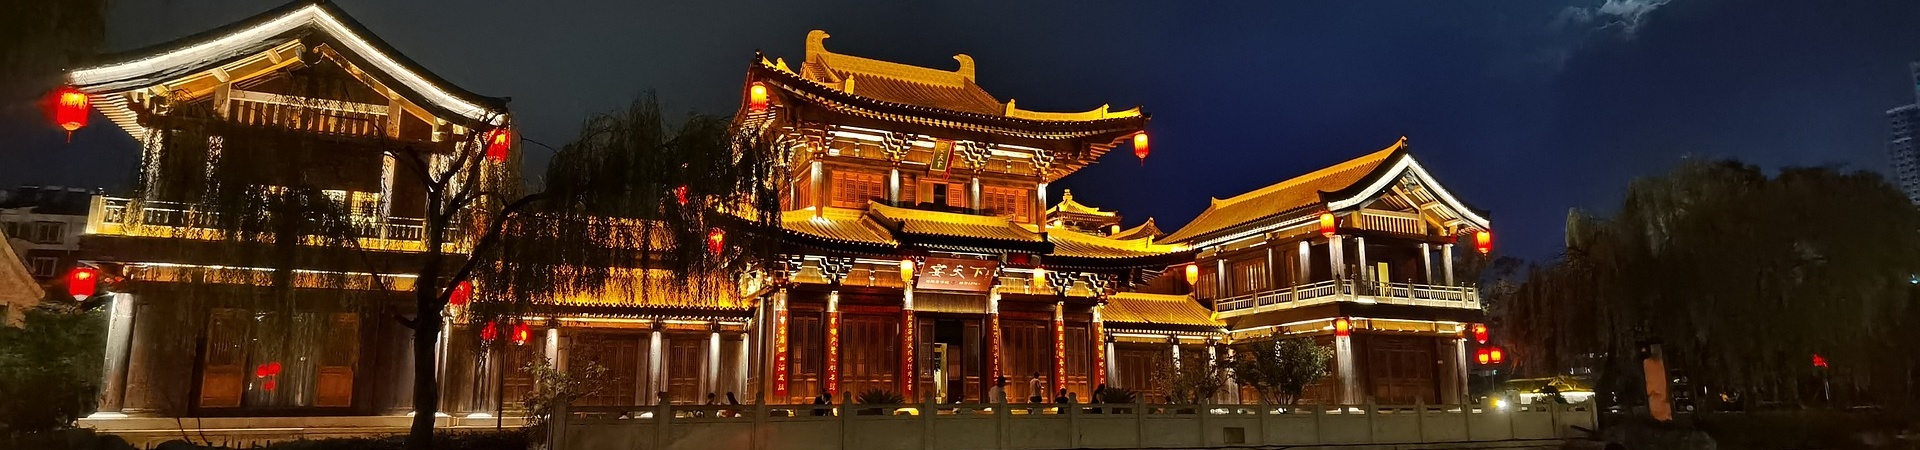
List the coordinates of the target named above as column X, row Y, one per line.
column 966, row 66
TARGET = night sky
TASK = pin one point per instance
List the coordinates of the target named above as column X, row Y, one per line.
column 1523, row 108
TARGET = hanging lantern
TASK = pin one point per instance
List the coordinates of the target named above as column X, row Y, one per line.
column 461, row 293
column 1496, row 356
column 1140, row 147
column 1819, row 361
column 1342, row 327
column 490, row 332
column 1193, row 274
column 906, row 271
column 1479, row 333
column 716, row 241
column 680, row 194
column 83, row 282
column 1039, row 277
column 1483, row 241
column 757, row 98
column 1482, row 356
column 70, row 109
column 1327, row 225
column 521, row 332
column 498, row 142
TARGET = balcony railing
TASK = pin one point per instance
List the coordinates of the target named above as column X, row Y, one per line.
column 1351, row 291
column 125, row 217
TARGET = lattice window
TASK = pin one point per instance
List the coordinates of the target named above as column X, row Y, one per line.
column 854, row 189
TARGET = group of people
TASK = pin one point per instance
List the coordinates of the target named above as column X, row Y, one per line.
column 1036, row 386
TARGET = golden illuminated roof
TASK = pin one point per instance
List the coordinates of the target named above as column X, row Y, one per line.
column 1144, row 230
column 1067, row 205
column 838, row 225
column 935, row 223
column 1157, row 309
column 627, row 288
column 950, row 90
column 1071, row 243
column 1298, row 193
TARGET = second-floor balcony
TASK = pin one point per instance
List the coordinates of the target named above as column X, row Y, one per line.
column 1357, row 291
column 116, row 216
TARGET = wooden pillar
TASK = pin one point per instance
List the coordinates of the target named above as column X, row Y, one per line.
column 655, row 366
column 1336, row 256
column 818, row 191
column 713, row 384
column 1426, row 263
column 113, row 392
column 1040, row 210
column 909, row 379
column 993, row 337
column 1344, row 369
column 1059, row 347
column 833, row 343
column 1360, row 248
column 973, row 194
column 1446, row 263
column 1305, row 265
column 893, row 186
column 1098, row 338
column 777, row 353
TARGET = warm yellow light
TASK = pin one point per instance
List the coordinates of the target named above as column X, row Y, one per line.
column 1039, row 277
column 1327, row 226
column 906, row 271
column 1193, row 274
column 757, row 97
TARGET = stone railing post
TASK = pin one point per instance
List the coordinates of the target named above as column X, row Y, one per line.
column 662, row 421
column 1319, row 424
column 1139, row 421
column 927, row 412
column 845, row 412
column 557, row 426
column 1420, row 417
column 1260, row 437
column 756, row 441
column 1200, row 412
column 1370, row 411
column 1073, row 424
column 1000, row 414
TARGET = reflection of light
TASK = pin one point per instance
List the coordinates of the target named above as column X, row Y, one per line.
column 1500, row 403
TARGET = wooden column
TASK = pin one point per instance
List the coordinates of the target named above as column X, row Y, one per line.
column 777, row 353
column 1360, row 248
column 909, row 379
column 1345, row 371
column 1426, row 263
column 655, row 367
column 819, row 192
column 833, row 343
column 893, row 186
column 1336, row 256
column 1446, row 263
column 113, row 392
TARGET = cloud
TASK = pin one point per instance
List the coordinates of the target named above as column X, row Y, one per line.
column 1622, row 16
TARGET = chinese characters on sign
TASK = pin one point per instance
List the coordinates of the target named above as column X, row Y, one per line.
column 946, row 274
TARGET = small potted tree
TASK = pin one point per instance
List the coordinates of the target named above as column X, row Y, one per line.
column 1118, row 396
column 886, row 400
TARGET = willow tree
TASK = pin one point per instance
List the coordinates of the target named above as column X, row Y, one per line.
column 609, row 220
column 1744, row 277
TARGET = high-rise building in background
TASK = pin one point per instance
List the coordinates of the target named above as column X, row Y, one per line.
column 1902, row 146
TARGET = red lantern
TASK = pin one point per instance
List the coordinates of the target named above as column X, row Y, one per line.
column 521, row 332
column 1482, row 356
column 1193, row 274
column 1480, row 333
column 273, row 368
column 490, row 332
column 1819, row 361
column 267, row 385
column 680, row 193
column 1483, row 241
column 716, row 241
column 1327, row 226
column 906, row 271
column 1140, row 147
column 70, row 109
column 461, row 293
column 498, row 142
column 757, row 98
column 83, row 282
column 1496, row 355
column 1342, row 327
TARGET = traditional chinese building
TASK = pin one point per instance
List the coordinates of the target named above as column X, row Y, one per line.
column 919, row 254
column 193, row 332
column 1359, row 256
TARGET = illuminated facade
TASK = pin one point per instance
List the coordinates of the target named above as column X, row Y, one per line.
column 1359, row 256
column 193, row 332
column 919, row 254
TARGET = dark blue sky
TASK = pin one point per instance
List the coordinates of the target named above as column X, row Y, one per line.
column 1524, row 108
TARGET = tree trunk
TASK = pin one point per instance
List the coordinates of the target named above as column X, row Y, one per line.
column 426, row 332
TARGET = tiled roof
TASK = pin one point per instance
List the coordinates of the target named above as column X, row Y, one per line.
column 1299, row 193
column 953, row 90
column 836, row 226
column 1076, row 244
column 1148, row 229
column 1067, row 205
column 1157, row 309
column 935, row 223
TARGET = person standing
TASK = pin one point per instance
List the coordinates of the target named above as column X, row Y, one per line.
column 1036, row 389
column 998, row 395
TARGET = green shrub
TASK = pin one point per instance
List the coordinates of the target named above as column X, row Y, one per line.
column 50, row 369
column 877, row 396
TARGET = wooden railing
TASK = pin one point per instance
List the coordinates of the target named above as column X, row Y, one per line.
column 151, row 218
column 315, row 115
column 1054, row 426
column 1355, row 291
column 1391, row 222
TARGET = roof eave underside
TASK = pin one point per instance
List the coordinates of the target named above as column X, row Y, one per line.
column 212, row 48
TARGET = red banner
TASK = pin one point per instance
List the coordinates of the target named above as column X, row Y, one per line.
column 1099, row 354
column 780, row 355
column 908, row 378
column 950, row 274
